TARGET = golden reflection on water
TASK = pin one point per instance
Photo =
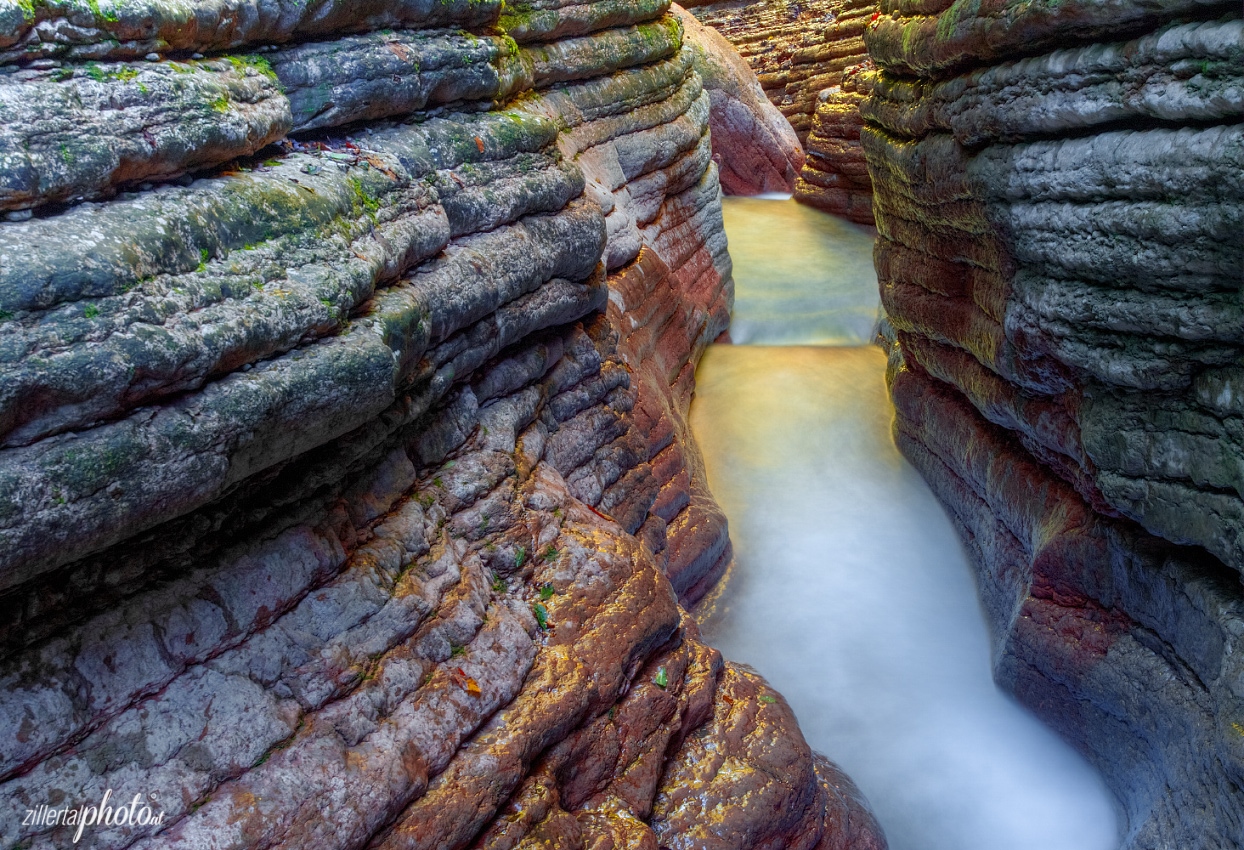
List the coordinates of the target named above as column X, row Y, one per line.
column 851, row 593
column 850, row 590
column 801, row 277
column 789, row 388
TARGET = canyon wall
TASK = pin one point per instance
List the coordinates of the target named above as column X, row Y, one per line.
column 755, row 148
column 813, row 65
column 346, row 496
column 1059, row 190
column 835, row 172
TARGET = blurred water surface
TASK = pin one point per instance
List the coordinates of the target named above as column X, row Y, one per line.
column 801, row 277
column 850, row 590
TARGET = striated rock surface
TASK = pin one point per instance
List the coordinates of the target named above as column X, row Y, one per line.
column 812, row 62
column 755, row 148
column 835, row 173
column 797, row 49
column 1058, row 193
column 346, row 496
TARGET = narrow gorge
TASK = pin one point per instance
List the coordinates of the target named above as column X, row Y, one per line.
column 349, row 496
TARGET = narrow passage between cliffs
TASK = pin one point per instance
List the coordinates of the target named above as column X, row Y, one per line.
column 850, row 589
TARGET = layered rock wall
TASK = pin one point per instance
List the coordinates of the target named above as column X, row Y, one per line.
column 345, row 492
column 755, row 148
column 812, row 63
column 789, row 46
column 835, row 172
column 1059, row 200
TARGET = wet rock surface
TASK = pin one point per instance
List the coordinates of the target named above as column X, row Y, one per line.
column 347, row 494
column 1058, row 202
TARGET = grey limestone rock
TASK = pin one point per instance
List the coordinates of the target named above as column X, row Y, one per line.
column 70, row 134
column 1060, row 257
column 124, row 29
column 344, row 489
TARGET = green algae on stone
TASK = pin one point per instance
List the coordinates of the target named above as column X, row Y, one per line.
column 68, row 136
column 122, row 29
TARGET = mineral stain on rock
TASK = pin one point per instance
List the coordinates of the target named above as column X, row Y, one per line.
column 1057, row 194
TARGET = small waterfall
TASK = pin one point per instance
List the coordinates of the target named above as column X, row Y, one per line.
column 850, row 590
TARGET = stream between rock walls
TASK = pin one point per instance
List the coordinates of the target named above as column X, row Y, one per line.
column 850, row 590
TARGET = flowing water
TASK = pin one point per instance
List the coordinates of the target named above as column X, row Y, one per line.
column 850, row 590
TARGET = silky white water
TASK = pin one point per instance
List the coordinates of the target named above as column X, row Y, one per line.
column 850, row 590
column 785, row 293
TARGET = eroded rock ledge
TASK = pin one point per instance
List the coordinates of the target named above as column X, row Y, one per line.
column 1060, row 258
column 346, row 496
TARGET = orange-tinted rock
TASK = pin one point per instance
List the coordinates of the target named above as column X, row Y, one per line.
column 835, row 173
column 346, row 495
column 751, row 749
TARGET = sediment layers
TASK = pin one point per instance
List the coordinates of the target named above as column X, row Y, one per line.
column 812, row 63
column 1061, row 264
column 347, row 498
column 754, row 146
column 796, row 49
column 835, row 173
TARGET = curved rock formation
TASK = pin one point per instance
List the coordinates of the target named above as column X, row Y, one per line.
column 345, row 489
column 1058, row 192
column 814, row 66
column 754, row 147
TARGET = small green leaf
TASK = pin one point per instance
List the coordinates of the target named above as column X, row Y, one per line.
column 546, row 591
column 498, row 584
column 550, row 553
column 661, row 679
column 765, row 698
column 542, row 615
column 456, row 651
column 520, row 558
